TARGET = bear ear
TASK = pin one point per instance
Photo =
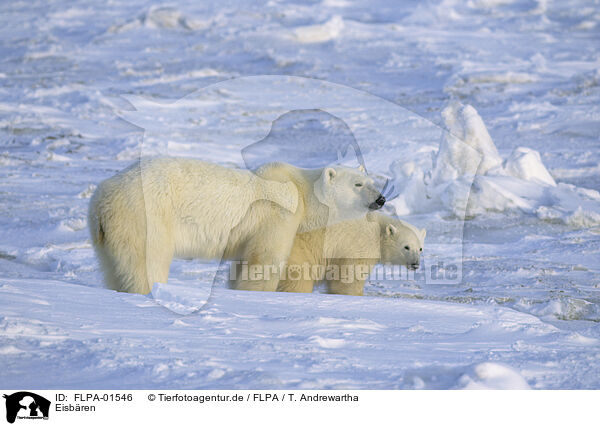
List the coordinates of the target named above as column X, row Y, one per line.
column 329, row 174
column 423, row 233
column 362, row 169
column 390, row 229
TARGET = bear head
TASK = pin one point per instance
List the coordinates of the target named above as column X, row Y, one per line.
column 402, row 244
column 348, row 193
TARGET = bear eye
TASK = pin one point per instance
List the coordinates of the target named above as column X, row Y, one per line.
column 421, row 249
column 358, row 184
column 406, row 248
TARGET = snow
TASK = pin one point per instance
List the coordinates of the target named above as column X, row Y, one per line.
column 470, row 178
column 483, row 116
column 243, row 339
column 526, row 164
column 320, row 33
column 489, row 375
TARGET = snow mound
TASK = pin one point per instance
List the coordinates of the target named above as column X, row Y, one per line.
column 508, row 77
column 469, row 177
column 526, row 164
column 489, row 375
column 465, row 126
column 319, row 33
column 564, row 308
column 160, row 17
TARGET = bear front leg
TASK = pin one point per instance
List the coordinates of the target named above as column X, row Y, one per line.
column 354, row 288
column 302, row 270
column 292, row 284
column 347, row 276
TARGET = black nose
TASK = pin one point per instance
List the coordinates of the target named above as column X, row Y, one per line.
column 414, row 266
column 378, row 203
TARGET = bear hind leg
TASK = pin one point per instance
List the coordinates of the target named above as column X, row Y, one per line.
column 124, row 271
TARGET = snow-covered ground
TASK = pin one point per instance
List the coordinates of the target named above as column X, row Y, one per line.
column 79, row 81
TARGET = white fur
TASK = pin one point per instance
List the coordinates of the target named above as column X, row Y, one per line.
column 162, row 208
column 358, row 243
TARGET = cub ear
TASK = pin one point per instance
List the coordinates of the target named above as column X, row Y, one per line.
column 362, row 169
column 390, row 230
column 329, row 174
column 423, row 233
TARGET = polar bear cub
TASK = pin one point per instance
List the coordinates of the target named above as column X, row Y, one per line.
column 344, row 254
column 162, row 208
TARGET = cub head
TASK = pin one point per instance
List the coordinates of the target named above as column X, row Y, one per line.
column 350, row 192
column 401, row 243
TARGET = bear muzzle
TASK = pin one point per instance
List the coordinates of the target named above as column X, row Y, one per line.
column 378, row 203
column 413, row 266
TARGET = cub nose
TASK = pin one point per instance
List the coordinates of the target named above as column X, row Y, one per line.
column 378, row 203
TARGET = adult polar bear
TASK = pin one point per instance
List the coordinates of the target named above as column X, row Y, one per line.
column 162, row 208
